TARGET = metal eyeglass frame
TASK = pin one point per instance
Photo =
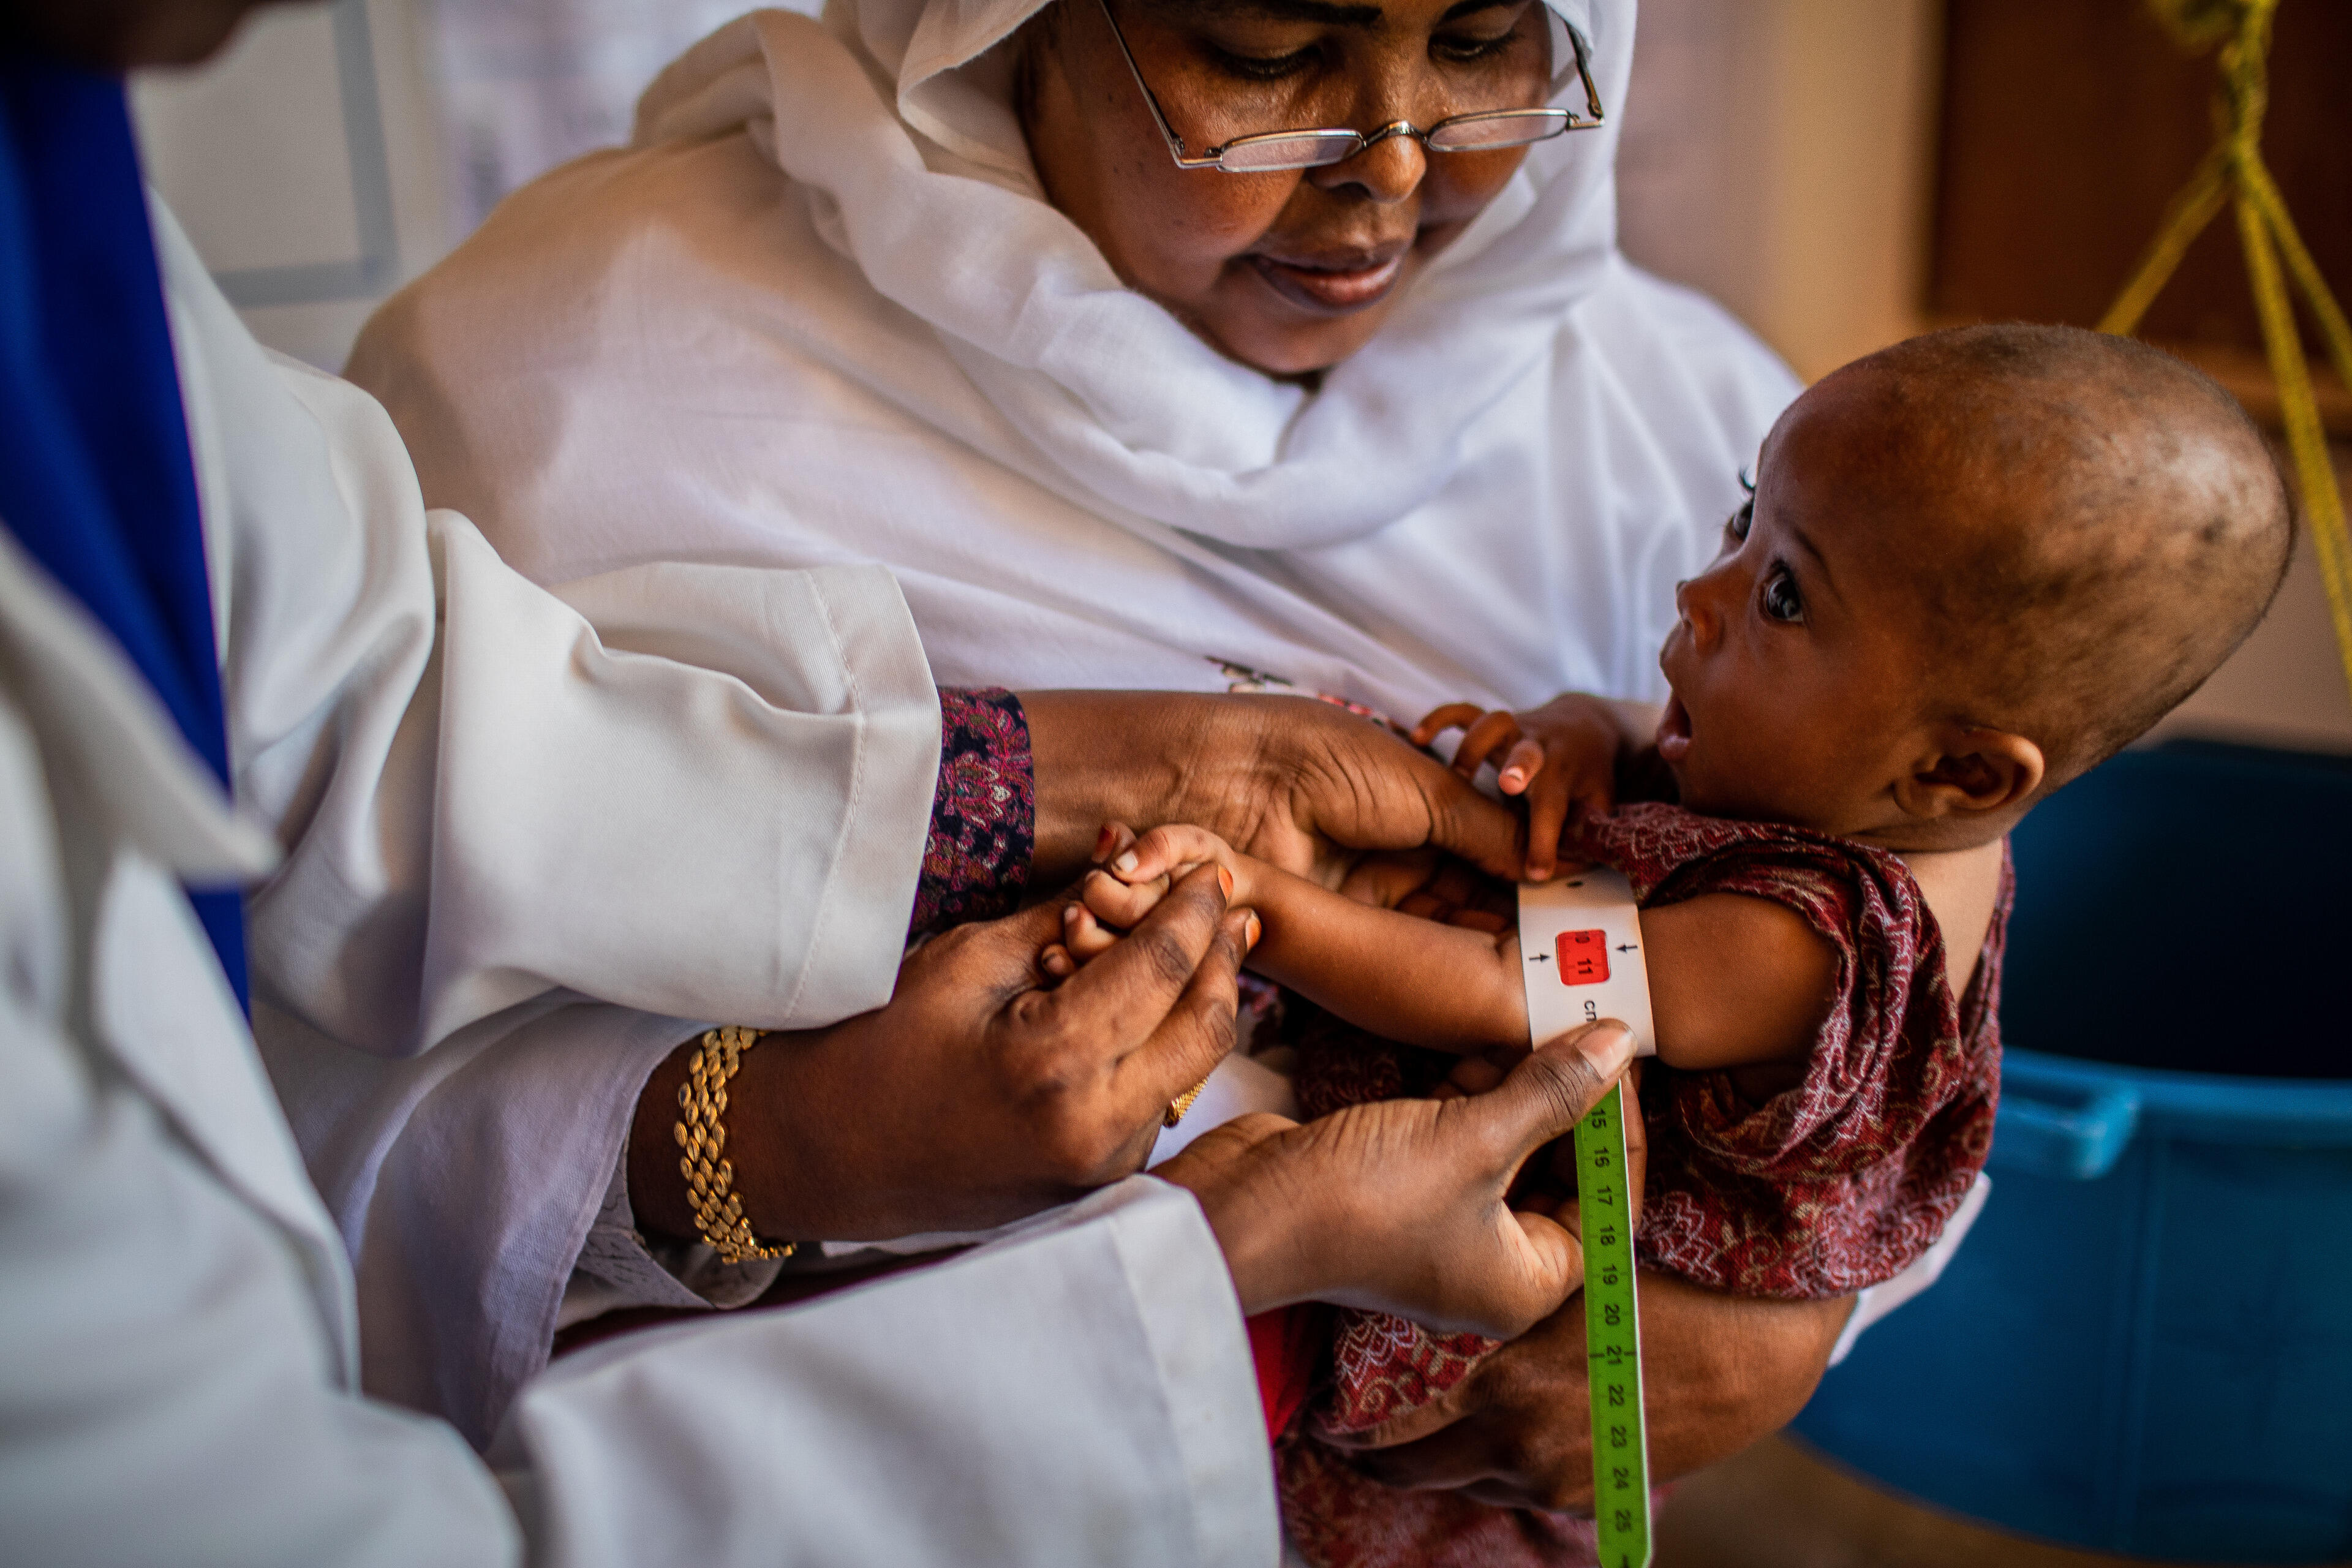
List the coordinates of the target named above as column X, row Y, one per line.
column 1337, row 145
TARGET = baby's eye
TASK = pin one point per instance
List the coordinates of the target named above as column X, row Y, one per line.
column 1737, row 523
column 1780, row 598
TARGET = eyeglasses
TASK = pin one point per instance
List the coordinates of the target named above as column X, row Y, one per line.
column 1486, row 131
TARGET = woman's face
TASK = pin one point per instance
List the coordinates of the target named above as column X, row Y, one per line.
column 1288, row 271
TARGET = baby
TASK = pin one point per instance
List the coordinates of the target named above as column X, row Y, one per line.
column 1971, row 567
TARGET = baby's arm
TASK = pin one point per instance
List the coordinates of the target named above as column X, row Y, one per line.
column 1735, row 981
column 1408, row 979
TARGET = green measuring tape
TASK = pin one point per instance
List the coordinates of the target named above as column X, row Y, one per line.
column 1581, row 952
column 1612, row 1337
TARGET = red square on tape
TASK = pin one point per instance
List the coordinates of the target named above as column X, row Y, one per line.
column 1583, row 957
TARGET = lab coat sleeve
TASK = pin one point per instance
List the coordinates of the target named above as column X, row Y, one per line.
column 1082, row 1395
column 698, row 790
column 532, row 839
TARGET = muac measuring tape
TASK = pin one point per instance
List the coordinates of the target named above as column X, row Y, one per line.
column 1581, row 952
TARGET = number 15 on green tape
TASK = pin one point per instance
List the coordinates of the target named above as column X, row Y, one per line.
column 1581, row 952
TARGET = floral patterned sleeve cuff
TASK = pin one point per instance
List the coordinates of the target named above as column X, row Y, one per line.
column 983, row 815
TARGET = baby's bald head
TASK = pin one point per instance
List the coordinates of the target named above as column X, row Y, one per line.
column 2097, row 524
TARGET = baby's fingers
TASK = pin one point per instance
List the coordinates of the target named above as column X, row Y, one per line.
column 1452, row 716
column 1573, row 783
column 1084, row 936
column 1493, row 733
column 1521, row 766
column 1117, row 903
column 1592, row 775
column 1168, row 850
column 1115, row 839
column 1547, row 808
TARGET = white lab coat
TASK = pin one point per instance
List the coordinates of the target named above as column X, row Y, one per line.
column 471, row 782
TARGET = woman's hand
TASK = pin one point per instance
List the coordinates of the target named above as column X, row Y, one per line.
column 1549, row 1185
column 978, row 1094
column 1298, row 783
column 1563, row 756
column 1717, row 1374
column 1399, row 1205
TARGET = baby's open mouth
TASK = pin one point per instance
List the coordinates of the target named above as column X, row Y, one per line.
column 1673, row 732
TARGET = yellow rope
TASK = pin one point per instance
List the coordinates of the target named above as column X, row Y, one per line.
column 2235, row 168
column 2191, row 211
column 2333, row 329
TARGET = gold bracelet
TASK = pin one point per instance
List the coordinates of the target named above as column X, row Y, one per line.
column 1182, row 1103
column 710, row 1179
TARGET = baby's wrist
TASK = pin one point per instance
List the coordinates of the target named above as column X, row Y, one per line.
column 1255, row 881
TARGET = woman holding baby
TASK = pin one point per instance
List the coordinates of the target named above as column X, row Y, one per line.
column 1279, row 345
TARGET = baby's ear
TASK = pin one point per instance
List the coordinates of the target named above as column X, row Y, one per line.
column 1972, row 773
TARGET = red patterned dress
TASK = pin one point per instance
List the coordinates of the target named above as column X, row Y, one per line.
column 1836, row 1184
column 983, row 828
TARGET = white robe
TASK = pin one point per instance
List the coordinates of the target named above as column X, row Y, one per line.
column 821, row 313
column 466, row 778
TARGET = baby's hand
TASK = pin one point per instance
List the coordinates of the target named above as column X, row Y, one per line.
column 1562, row 756
column 1139, row 874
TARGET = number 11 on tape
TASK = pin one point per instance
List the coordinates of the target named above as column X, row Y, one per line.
column 1581, row 958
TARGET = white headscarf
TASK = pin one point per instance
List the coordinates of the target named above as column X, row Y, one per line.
column 821, row 311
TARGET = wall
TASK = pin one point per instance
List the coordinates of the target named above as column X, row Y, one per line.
column 335, row 151
column 305, row 163
column 1778, row 154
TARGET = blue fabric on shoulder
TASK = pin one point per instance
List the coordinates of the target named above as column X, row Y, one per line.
column 96, row 479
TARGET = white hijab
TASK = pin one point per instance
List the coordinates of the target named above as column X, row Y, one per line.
column 820, row 311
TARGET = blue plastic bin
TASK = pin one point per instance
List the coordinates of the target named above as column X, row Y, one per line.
column 2145, row 1345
